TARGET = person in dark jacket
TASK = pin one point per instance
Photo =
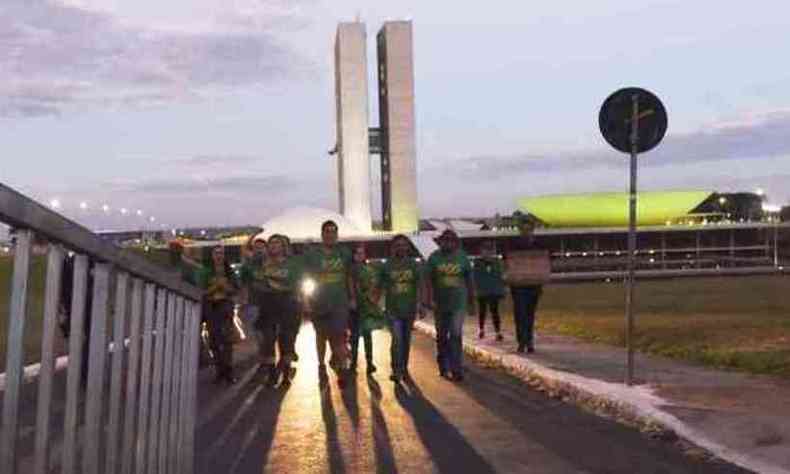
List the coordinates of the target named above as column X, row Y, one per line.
column 525, row 297
column 65, row 309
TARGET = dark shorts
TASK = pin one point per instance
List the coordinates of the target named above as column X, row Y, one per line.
column 277, row 307
column 331, row 321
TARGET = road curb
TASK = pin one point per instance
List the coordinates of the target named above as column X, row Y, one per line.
column 637, row 403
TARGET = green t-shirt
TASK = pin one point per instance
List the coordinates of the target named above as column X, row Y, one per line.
column 488, row 276
column 248, row 268
column 275, row 277
column 399, row 280
column 448, row 274
column 219, row 287
column 330, row 271
column 368, row 281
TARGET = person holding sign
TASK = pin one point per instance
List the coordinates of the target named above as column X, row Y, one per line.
column 450, row 288
column 527, row 268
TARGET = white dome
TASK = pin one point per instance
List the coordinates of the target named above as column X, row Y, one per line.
column 301, row 223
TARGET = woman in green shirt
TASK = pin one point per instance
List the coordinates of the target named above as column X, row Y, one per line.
column 275, row 288
column 488, row 271
column 216, row 278
column 368, row 315
column 401, row 280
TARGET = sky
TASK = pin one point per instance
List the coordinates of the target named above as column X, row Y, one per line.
column 220, row 112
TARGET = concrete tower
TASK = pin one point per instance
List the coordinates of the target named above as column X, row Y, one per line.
column 397, row 122
column 351, row 90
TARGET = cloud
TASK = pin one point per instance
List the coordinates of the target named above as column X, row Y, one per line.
column 754, row 136
column 233, row 184
column 55, row 56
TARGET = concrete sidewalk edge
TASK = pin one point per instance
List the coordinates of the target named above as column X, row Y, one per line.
column 638, row 402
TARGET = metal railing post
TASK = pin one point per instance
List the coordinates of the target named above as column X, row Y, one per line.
column 146, row 369
column 51, row 302
column 191, row 406
column 97, row 346
column 127, row 453
column 175, row 397
column 186, row 360
column 74, row 376
column 116, row 380
column 156, row 384
column 14, row 354
column 164, row 418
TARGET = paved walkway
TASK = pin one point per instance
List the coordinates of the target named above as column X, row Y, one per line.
column 742, row 417
column 489, row 423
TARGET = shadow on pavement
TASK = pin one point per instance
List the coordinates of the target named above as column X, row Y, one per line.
column 607, row 447
column 385, row 458
column 333, row 447
column 450, row 451
column 239, row 437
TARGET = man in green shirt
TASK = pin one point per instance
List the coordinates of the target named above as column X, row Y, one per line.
column 330, row 266
column 451, row 290
column 401, row 281
column 490, row 284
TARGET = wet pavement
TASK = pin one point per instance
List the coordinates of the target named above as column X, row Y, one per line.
column 491, row 422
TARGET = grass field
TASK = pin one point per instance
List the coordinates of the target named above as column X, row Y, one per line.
column 732, row 322
column 729, row 322
column 32, row 340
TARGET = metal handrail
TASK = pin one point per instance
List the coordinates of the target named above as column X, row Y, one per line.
column 20, row 211
column 152, row 365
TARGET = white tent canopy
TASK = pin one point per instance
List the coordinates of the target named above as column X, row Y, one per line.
column 304, row 223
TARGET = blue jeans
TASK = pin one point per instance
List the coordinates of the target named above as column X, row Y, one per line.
column 525, row 300
column 449, row 341
column 400, row 330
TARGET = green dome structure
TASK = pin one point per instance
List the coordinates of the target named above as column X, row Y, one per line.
column 611, row 209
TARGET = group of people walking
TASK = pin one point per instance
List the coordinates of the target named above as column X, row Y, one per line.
column 347, row 297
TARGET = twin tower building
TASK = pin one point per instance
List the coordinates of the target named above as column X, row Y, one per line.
column 394, row 139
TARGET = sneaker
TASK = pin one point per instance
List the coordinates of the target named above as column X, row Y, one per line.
column 481, row 334
column 353, row 368
column 457, row 377
column 371, row 368
column 443, row 373
column 521, row 348
column 531, row 349
column 395, row 378
column 295, row 357
column 499, row 337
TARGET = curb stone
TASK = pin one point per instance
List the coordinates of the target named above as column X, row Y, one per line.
column 635, row 406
